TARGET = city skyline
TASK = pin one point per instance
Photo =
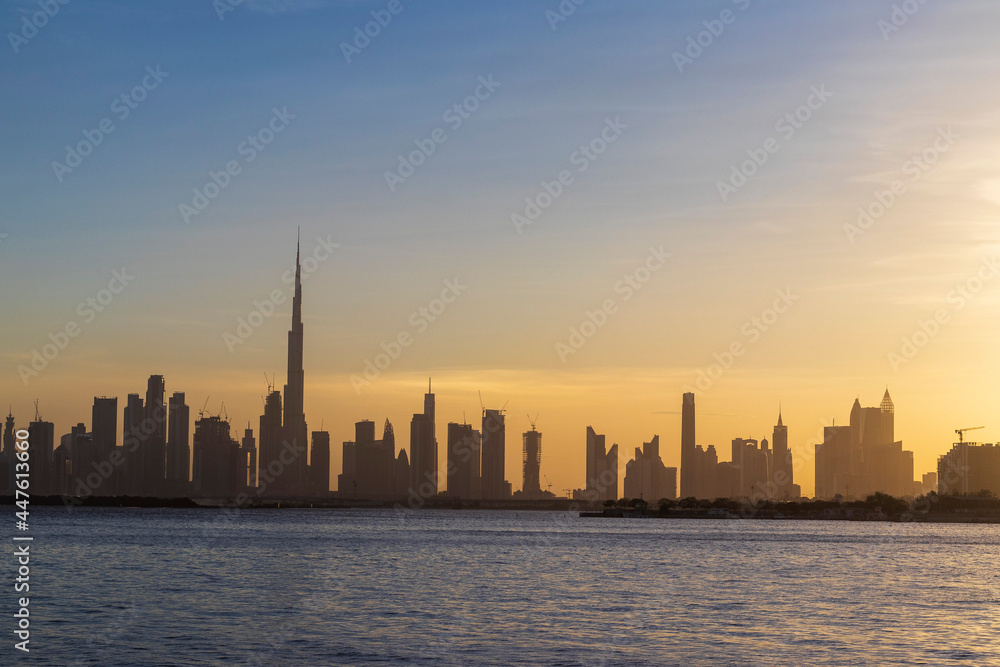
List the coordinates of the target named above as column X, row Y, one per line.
column 850, row 461
column 857, row 250
column 613, row 333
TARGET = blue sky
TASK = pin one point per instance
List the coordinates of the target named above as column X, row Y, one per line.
column 656, row 185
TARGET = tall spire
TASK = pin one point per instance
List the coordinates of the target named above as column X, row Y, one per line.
column 294, row 419
column 887, row 402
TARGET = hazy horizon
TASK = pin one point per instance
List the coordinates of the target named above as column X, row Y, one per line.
column 913, row 106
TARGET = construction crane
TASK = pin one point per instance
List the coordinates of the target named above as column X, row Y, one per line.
column 532, row 421
column 960, row 431
column 548, row 482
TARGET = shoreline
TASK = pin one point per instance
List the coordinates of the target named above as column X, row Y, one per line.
column 836, row 513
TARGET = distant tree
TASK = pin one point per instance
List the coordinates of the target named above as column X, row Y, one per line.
column 623, row 502
column 688, row 503
column 609, row 503
column 667, row 504
column 726, row 503
column 888, row 504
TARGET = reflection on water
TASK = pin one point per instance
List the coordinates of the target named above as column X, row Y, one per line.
column 314, row 587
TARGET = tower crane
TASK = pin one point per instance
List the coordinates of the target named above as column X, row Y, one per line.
column 532, row 421
column 960, row 431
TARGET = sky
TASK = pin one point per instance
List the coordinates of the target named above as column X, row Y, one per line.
column 594, row 204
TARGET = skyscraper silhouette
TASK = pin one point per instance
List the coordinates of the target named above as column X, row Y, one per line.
column 423, row 450
column 494, row 486
column 319, row 466
column 9, row 456
column 689, row 483
column 133, row 442
column 41, row 438
column 104, row 425
column 602, row 468
column 463, row 461
column 294, row 481
column 860, row 459
column 248, row 459
column 155, row 446
column 178, row 440
column 646, row 477
column 532, row 459
column 270, row 468
column 782, row 463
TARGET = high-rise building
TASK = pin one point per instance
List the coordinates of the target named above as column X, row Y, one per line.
column 366, row 465
column 602, row 469
column 464, row 461
column 423, row 450
column 294, row 481
column 248, row 459
column 493, row 483
column 835, row 464
column 969, row 468
column 79, row 447
column 929, row 482
column 319, row 464
column 532, row 460
column 374, row 460
column 863, row 458
column 104, row 425
column 270, row 467
column 347, row 482
column 783, row 471
column 689, row 473
column 217, row 467
column 9, row 455
column 133, row 444
column 386, row 462
column 400, row 475
column 752, row 461
column 41, row 439
column 178, row 440
column 154, row 464
column 646, row 477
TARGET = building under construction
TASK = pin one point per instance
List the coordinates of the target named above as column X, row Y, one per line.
column 969, row 468
column 532, row 463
